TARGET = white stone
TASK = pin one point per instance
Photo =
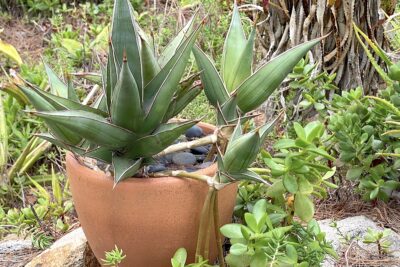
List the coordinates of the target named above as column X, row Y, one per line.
column 355, row 228
column 69, row 251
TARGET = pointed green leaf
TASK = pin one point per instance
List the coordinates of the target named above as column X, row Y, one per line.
column 258, row 87
column 57, row 142
column 234, row 45
column 159, row 92
column 90, row 126
column 42, row 104
column 214, row 88
column 267, row 128
column 71, row 91
column 124, row 37
column 112, row 73
column 90, row 76
column 228, row 112
column 171, row 48
column 164, row 136
column 100, row 153
column 243, row 68
column 150, row 65
column 61, row 103
column 181, row 102
column 58, row 87
column 126, row 110
column 124, row 168
column 247, row 175
column 241, row 152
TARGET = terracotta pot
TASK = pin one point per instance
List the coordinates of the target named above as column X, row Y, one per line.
column 148, row 218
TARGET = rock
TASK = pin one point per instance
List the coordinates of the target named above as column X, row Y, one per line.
column 72, row 250
column 200, row 150
column 156, row 168
column 167, row 159
column 194, row 132
column 16, row 252
column 354, row 228
column 205, row 165
column 184, row 158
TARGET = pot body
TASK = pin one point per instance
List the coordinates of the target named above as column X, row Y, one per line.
column 148, row 218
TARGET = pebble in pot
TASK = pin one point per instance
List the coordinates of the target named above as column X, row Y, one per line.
column 156, row 168
column 184, row 158
column 200, row 150
column 194, row 132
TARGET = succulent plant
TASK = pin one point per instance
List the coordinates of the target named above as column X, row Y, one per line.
column 236, row 89
column 128, row 124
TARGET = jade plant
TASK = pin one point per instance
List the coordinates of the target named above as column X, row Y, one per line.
column 129, row 123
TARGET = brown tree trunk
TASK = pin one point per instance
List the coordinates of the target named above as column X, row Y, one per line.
column 287, row 23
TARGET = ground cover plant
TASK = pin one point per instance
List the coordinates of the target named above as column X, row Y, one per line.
column 326, row 139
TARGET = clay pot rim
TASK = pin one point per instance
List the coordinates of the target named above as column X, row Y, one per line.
column 100, row 175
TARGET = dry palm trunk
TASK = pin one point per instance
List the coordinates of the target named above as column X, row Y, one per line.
column 289, row 22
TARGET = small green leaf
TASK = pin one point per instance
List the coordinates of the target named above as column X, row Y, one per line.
column 180, row 257
column 238, row 249
column 290, row 183
column 260, row 209
column 305, row 187
column 303, row 207
column 232, row 230
column 301, row 133
column 354, row 173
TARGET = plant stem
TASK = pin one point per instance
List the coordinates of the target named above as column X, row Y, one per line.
column 210, row 139
column 217, row 233
column 260, row 170
column 202, row 226
column 3, row 143
column 206, row 252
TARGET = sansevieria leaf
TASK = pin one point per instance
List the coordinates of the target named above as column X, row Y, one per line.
column 164, row 136
column 124, row 37
column 150, row 65
column 42, row 104
column 214, row 87
column 126, row 110
column 58, row 87
column 61, row 103
column 92, row 127
column 124, row 168
column 241, row 152
column 258, row 87
column 159, row 92
column 171, row 48
column 235, row 43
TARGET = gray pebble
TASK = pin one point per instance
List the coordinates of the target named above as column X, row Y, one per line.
column 184, row 158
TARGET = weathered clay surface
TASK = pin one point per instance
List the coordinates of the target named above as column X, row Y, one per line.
column 72, row 250
column 355, row 228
